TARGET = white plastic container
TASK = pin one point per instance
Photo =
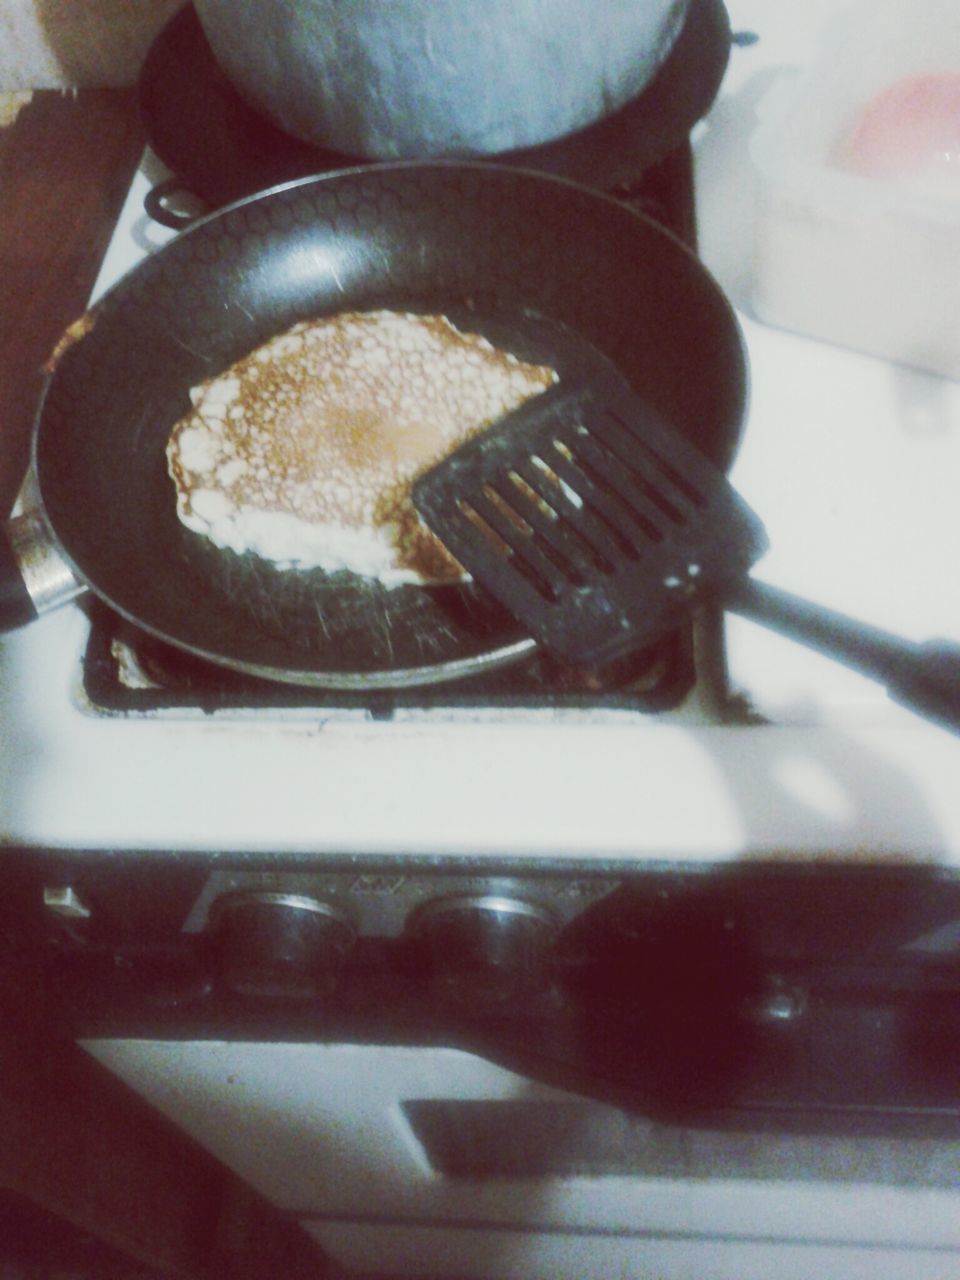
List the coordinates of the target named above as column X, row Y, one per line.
column 869, row 263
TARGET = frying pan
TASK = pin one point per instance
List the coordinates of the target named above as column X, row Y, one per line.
column 539, row 265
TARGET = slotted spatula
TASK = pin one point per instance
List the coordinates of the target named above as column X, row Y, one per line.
column 599, row 527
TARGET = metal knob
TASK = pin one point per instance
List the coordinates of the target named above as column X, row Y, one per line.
column 487, row 949
column 280, row 945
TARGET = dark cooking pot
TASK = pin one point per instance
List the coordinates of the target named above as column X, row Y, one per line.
column 221, row 148
column 542, row 266
column 438, row 77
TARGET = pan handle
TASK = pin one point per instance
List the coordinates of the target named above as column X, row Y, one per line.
column 34, row 578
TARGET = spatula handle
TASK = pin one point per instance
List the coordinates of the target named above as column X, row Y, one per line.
column 924, row 677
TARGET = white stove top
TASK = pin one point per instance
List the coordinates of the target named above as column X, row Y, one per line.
column 852, row 463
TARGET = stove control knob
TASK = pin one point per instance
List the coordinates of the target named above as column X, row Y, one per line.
column 487, row 949
column 280, row 945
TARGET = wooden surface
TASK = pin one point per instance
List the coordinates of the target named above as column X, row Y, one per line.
column 65, row 167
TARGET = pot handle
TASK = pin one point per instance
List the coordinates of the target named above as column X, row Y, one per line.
column 34, row 578
column 160, row 204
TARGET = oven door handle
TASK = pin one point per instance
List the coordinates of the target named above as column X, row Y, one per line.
column 34, row 577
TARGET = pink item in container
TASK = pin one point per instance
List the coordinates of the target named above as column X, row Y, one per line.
column 910, row 130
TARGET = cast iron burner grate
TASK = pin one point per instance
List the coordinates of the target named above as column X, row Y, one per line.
column 126, row 671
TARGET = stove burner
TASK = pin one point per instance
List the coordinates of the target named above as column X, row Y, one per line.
column 126, row 670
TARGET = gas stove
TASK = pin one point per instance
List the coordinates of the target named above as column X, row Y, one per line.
column 449, row 910
column 774, row 752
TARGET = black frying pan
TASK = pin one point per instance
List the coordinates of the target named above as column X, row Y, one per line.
column 538, row 264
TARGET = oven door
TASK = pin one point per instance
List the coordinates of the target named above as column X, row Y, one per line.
column 416, row 1161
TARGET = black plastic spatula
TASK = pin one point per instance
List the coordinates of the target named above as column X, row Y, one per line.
column 599, row 527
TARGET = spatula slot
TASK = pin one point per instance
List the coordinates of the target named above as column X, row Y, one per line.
column 507, row 510
column 644, row 453
column 620, row 457
column 607, row 488
column 559, row 541
column 573, row 524
column 496, row 547
column 532, row 502
column 542, row 502
column 541, row 547
column 497, row 543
